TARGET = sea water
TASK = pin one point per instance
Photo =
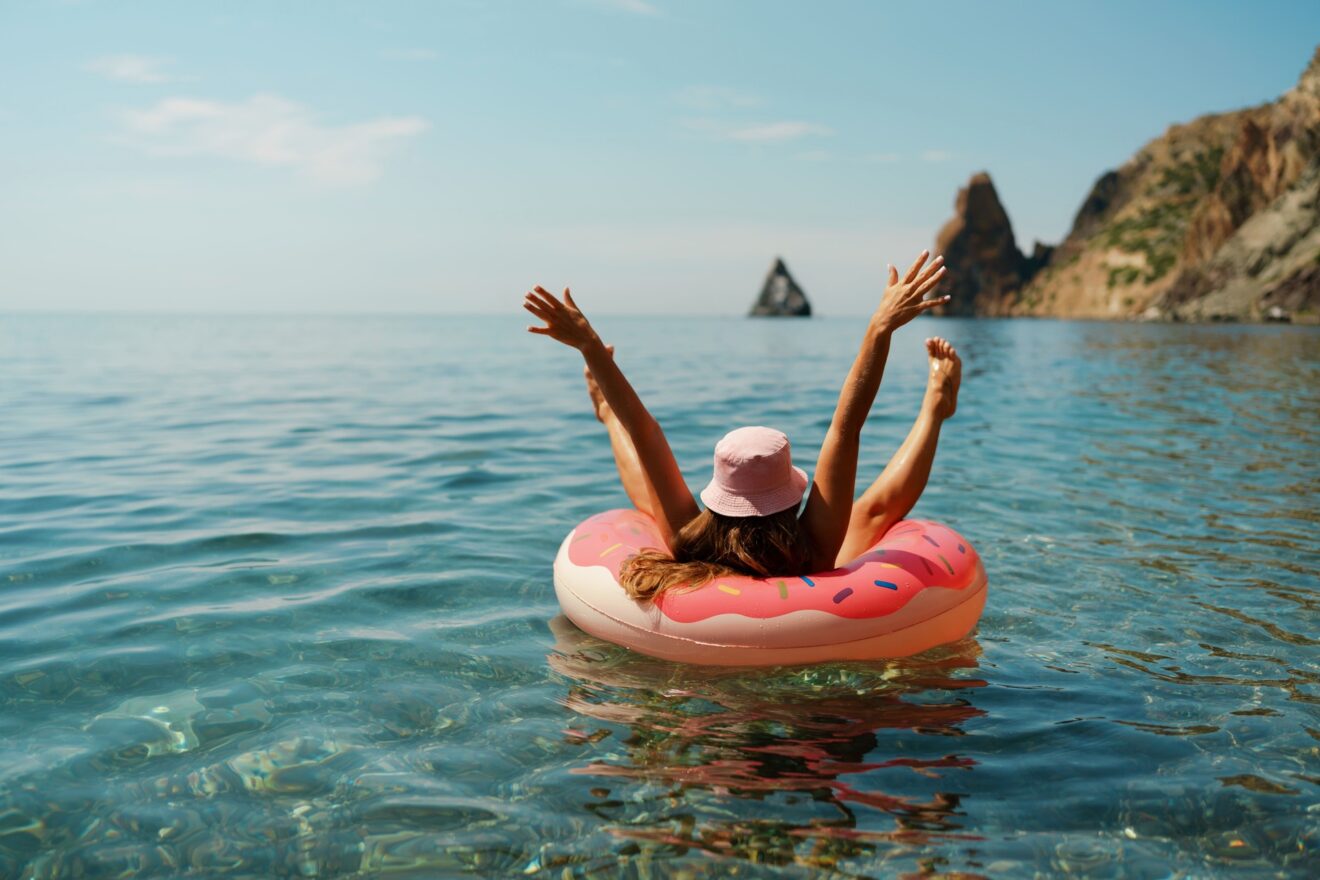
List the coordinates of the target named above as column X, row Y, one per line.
column 276, row 601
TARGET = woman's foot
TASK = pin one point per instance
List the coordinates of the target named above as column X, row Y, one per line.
column 945, row 376
column 602, row 408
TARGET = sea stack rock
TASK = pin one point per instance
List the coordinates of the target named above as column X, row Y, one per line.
column 780, row 295
column 985, row 269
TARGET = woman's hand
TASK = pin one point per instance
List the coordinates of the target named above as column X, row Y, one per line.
column 905, row 299
column 564, row 321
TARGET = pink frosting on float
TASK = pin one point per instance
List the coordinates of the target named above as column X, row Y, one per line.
column 911, row 556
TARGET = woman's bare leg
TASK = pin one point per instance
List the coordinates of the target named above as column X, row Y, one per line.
column 896, row 490
column 631, row 474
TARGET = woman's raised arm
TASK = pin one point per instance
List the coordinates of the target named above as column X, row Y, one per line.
column 565, row 322
column 825, row 518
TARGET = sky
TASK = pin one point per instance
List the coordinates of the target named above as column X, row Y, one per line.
column 656, row 155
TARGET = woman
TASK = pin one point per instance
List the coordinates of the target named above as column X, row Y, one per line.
column 751, row 525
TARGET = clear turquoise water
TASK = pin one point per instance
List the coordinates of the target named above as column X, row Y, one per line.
column 276, row 602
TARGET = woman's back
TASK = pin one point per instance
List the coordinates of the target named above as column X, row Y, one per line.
column 714, row 545
column 751, row 524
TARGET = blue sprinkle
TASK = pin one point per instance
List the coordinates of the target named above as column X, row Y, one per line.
column 931, row 540
column 842, row 594
column 962, row 549
column 887, row 585
column 807, row 581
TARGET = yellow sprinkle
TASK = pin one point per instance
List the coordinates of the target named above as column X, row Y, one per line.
column 730, row 590
column 608, row 550
column 888, row 565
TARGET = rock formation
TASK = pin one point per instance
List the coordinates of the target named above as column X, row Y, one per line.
column 1214, row 219
column 780, row 295
column 1269, row 267
column 984, row 265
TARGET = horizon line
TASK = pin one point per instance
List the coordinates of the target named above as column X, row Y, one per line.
column 180, row 313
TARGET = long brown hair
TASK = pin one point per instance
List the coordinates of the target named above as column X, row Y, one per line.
column 714, row 545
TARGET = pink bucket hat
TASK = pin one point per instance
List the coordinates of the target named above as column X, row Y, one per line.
column 754, row 474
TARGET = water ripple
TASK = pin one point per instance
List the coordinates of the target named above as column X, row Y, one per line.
column 276, row 602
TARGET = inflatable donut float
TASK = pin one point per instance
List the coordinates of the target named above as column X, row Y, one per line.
column 920, row 586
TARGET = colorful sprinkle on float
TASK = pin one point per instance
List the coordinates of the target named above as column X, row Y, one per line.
column 902, row 596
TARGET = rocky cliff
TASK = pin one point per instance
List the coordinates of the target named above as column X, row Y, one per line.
column 985, row 267
column 1218, row 218
column 780, row 295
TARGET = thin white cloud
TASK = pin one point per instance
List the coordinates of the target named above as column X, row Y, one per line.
column 815, row 156
column 714, row 98
column 771, row 132
column 411, row 54
column 131, row 68
column 635, row 7
column 267, row 130
column 756, row 132
column 936, row 156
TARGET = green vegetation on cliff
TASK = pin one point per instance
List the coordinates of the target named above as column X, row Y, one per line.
column 1156, row 233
